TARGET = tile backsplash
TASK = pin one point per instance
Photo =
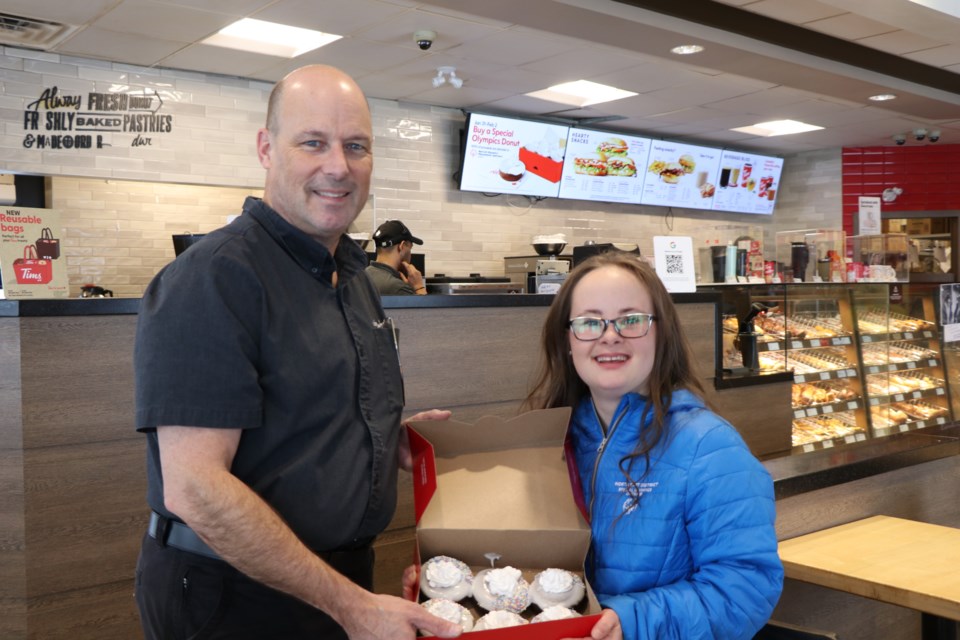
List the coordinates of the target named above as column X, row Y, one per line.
column 120, row 204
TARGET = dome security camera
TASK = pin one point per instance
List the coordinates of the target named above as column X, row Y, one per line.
column 920, row 133
column 424, row 38
column 900, row 138
column 934, row 135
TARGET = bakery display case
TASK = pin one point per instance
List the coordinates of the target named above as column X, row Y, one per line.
column 867, row 359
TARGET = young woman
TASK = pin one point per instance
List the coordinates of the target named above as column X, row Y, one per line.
column 682, row 515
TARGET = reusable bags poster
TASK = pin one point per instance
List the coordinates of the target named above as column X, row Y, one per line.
column 30, row 257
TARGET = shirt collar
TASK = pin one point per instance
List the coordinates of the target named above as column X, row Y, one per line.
column 312, row 256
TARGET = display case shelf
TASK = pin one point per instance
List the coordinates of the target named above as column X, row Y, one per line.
column 878, row 343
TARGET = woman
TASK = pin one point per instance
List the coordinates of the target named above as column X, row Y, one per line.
column 683, row 543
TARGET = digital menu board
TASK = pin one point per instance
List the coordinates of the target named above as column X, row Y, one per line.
column 604, row 167
column 747, row 182
column 680, row 175
column 505, row 155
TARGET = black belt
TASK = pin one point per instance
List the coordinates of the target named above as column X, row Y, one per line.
column 173, row 533
column 176, row 534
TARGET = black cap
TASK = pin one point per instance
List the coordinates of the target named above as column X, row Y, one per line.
column 391, row 232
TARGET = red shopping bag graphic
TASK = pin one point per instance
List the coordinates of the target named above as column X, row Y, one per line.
column 31, row 270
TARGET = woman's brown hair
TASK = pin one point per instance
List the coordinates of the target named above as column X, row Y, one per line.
column 557, row 383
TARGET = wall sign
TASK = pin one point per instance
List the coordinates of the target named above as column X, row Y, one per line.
column 94, row 120
column 30, row 256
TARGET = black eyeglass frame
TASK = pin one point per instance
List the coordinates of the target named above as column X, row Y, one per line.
column 616, row 326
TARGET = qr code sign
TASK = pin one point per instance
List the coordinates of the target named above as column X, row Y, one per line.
column 674, row 263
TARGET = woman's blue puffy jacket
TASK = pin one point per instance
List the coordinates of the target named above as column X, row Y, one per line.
column 697, row 558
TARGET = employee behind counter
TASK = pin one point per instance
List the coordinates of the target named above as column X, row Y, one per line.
column 392, row 272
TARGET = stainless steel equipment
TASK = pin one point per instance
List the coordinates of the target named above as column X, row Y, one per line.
column 523, row 270
column 473, row 284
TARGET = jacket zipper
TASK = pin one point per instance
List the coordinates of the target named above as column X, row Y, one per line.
column 607, row 435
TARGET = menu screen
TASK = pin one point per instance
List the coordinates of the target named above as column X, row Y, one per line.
column 504, row 155
column 747, row 182
column 680, row 175
column 604, row 167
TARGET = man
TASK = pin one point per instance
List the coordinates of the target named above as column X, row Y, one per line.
column 272, row 417
column 392, row 273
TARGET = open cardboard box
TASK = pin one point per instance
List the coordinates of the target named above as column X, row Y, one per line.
column 502, row 486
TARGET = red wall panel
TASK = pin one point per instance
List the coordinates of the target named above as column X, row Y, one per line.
column 929, row 176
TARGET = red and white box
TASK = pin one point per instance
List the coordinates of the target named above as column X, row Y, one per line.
column 546, row 168
column 502, row 487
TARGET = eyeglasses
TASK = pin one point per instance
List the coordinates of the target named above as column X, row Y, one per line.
column 632, row 325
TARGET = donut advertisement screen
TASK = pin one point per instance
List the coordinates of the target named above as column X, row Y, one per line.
column 747, row 183
column 603, row 166
column 506, row 155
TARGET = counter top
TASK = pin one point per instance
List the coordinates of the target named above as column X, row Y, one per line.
column 124, row 306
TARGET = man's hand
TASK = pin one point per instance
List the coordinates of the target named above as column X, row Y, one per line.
column 382, row 617
column 411, row 275
column 607, row 628
column 406, row 459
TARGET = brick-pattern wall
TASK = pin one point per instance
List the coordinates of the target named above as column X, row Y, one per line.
column 119, row 205
column 926, row 174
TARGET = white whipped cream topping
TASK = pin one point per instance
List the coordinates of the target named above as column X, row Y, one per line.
column 501, row 620
column 556, row 613
column 442, row 574
column 445, row 609
column 502, row 582
column 555, row 581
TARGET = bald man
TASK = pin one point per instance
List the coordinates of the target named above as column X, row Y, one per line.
column 273, row 424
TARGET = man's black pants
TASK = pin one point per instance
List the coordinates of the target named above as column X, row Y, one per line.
column 186, row 596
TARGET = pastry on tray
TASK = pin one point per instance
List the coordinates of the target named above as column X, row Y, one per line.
column 499, row 620
column 556, row 587
column 502, row 589
column 450, row 611
column 555, row 612
column 446, row 577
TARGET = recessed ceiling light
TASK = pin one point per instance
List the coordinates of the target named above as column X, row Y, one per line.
column 778, row 128
column 270, row 38
column 581, row 93
column 686, row 49
column 882, row 97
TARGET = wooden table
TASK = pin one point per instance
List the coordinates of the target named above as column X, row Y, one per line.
column 902, row 562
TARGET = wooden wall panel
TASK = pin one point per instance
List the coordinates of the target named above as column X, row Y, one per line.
column 78, row 379
column 13, row 581
column 762, row 414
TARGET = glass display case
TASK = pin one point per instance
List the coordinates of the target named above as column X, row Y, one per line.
column 867, row 359
column 811, row 255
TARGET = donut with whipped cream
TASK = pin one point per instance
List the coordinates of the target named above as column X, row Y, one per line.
column 450, row 611
column 555, row 612
column 501, row 589
column 556, row 587
column 446, row 577
column 499, row 620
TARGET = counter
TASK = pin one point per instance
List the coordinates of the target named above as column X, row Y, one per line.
column 72, row 484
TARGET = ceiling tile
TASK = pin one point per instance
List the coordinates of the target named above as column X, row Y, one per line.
column 157, row 20
column 331, row 16
column 75, row 13
column 899, row 42
column 944, row 56
column 111, row 45
column 794, row 12
column 850, row 26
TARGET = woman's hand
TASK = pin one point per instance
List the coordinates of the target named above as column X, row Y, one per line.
column 411, row 576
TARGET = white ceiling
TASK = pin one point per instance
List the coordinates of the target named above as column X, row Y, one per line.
column 810, row 60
